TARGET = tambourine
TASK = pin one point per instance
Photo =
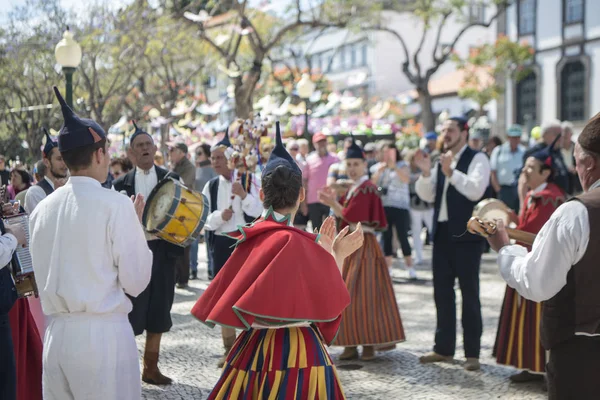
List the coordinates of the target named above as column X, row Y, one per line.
column 485, row 215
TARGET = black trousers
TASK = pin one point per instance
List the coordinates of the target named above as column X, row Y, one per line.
column 8, row 373
column 183, row 266
column 398, row 218
column 152, row 308
column 573, row 369
column 451, row 260
column 317, row 212
column 221, row 248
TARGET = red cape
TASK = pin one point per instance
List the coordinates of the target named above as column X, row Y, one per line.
column 532, row 218
column 364, row 206
column 277, row 274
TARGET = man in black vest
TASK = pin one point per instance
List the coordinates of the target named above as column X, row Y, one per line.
column 562, row 272
column 9, row 240
column 152, row 308
column 56, row 169
column 455, row 185
column 231, row 204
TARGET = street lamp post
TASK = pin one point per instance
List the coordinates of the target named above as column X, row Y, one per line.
column 68, row 55
column 306, row 88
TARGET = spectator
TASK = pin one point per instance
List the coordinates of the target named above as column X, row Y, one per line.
column 304, row 150
column 20, row 181
column 120, row 166
column 39, row 171
column 315, row 178
column 567, row 150
column 421, row 212
column 4, row 173
column 506, row 163
column 370, row 150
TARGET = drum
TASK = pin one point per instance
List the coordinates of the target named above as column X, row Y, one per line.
column 175, row 213
column 22, row 265
column 492, row 210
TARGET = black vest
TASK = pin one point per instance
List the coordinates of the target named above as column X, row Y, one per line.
column 460, row 209
column 8, row 293
column 46, row 187
column 213, row 188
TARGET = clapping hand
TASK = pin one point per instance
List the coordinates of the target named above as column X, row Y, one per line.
column 10, row 209
column 345, row 244
column 138, row 205
column 423, row 162
column 446, row 162
column 327, row 234
column 327, row 196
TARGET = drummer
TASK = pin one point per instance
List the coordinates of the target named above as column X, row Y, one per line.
column 518, row 337
column 225, row 215
column 152, row 308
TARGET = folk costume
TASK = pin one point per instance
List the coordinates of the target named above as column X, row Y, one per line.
column 372, row 319
column 152, row 308
column 88, row 252
column 518, row 339
column 45, row 187
column 285, row 291
column 456, row 254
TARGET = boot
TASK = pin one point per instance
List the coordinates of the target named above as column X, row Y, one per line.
column 368, row 353
column 151, row 372
column 433, row 357
column 227, row 345
column 350, row 353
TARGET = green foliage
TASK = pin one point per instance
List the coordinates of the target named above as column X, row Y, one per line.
column 486, row 63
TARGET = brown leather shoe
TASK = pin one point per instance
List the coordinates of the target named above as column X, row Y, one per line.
column 526, row 376
column 151, row 373
column 472, row 364
column 368, row 353
column 223, row 359
column 350, row 353
column 434, row 357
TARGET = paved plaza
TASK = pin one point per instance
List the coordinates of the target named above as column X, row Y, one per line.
column 191, row 350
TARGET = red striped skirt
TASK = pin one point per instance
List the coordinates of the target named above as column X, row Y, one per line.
column 372, row 318
column 518, row 339
column 285, row 363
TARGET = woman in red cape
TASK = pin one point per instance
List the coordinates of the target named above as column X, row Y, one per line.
column 372, row 320
column 518, row 341
column 284, row 288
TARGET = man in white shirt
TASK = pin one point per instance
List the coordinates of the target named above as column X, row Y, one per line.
column 9, row 240
column 88, row 252
column 455, row 185
column 152, row 308
column 562, row 272
column 230, row 206
column 56, row 170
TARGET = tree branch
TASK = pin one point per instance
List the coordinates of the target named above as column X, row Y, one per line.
column 406, row 64
column 439, row 34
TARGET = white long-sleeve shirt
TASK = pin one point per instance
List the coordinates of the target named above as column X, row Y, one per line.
column 88, row 249
column 472, row 185
column 34, row 195
column 251, row 205
column 561, row 243
column 8, row 245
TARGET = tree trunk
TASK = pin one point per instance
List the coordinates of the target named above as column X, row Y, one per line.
column 243, row 107
column 427, row 117
column 244, row 90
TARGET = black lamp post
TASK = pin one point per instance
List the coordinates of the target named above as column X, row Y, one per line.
column 68, row 55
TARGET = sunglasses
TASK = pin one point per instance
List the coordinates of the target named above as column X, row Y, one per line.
column 295, row 149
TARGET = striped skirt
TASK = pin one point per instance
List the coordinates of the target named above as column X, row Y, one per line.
column 372, row 318
column 518, row 339
column 278, row 364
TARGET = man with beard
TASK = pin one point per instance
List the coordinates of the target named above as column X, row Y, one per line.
column 56, row 170
column 455, row 185
column 152, row 308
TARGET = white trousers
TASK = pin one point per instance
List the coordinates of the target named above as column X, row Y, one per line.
column 417, row 218
column 89, row 357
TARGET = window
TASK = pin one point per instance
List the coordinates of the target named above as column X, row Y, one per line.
column 526, row 17
column 363, row 55
column 526, row 99
column 342, row 57
column 572, row 101
column 353, row 55
column 573, row 11
column 316, row 62
column 476, row 13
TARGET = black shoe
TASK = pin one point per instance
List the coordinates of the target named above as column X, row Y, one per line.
column 193, row 276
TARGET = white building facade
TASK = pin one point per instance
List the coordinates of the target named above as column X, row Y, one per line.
column 565, row 35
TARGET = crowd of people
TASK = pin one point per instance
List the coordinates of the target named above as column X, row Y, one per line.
column 103, row 279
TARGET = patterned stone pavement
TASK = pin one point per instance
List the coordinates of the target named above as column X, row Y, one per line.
column 191, row 350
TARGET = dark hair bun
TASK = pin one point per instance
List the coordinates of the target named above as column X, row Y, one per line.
column 281, row 188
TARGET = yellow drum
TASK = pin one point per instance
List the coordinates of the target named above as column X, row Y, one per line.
column 175, row 213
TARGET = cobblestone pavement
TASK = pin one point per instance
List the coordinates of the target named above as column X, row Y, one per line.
column 191, row 350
